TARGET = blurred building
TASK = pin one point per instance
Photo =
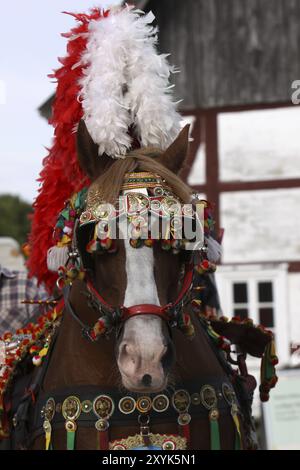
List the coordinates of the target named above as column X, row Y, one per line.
column 238, row 61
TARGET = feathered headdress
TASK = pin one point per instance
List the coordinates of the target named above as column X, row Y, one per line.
column 113, row 78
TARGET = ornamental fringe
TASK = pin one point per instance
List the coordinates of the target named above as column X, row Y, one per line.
column 126, row 83
column 57, row 257
column 214, row 249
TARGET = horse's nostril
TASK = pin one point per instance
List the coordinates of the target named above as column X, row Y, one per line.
column 146, row 380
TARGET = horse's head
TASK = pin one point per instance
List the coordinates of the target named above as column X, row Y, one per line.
column 128, row 276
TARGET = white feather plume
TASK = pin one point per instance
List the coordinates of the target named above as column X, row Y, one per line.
column 105, row 113
column 153, row 113
column 126, row 82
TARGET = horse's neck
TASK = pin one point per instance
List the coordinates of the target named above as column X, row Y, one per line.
column 77, row 361
column 195, row 359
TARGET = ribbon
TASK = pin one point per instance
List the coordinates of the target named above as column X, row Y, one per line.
column 48, row 430
column 238, row 436
column 214, row 429
column 71, row 428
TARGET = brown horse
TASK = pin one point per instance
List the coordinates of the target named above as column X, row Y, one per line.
column 145, row 358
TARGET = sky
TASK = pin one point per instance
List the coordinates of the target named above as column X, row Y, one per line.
column 30, row 43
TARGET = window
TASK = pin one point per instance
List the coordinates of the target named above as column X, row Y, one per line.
column 258, row 292
column 265, row 304
column 240, row 300
column 264, row 310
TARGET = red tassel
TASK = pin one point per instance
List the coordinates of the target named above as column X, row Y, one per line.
column 103, row 440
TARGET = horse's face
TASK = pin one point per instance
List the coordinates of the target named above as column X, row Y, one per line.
column 144, row 349
column 134, row 276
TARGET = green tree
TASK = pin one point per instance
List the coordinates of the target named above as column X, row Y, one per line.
column 14, row 217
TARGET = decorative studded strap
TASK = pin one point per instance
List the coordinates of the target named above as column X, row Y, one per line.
column 87, row 406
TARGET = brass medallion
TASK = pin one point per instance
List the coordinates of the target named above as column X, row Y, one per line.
column 71, row 408
column 49, row 411
column 47, row 426
column 208, row 397
column 127, row 405
column 85, row 217
column 171, row 206
column 184, row 419
column 87, row 406
column 160, row 403
column 214, row 414
column 102, row 425
column 144, row 404
column 70, row 426
column 181, row 401
column 228, row 394
column 103, row 406
column 137, row 203
column 158, row 191
column 196, row 399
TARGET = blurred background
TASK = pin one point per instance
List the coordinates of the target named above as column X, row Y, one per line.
column 239, row 64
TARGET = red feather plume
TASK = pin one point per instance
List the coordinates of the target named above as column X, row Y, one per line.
column 61, row 175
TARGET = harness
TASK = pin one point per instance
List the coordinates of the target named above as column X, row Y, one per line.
column 111, row 317
column 38, row 413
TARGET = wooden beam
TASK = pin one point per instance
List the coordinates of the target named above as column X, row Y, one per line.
column 239, row 108
column 212, row 164
column 232, row 186
column 293, row 266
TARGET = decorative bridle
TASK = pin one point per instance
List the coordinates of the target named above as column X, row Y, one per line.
column 111, row 317
column 84, row 209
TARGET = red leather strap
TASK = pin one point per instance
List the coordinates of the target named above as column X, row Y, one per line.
column 103, row 440
column 187, row 282
column 185, row 431
column 98, row 296
column 149, row 309
column 145, row 309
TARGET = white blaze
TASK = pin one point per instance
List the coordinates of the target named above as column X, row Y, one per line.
column 141, row 287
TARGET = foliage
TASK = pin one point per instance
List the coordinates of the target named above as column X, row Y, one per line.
column 14, row 217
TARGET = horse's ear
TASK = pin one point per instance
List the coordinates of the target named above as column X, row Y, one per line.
column 87, row 152
column 173, row 158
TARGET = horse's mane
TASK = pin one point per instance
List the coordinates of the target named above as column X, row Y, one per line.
column 109, row 184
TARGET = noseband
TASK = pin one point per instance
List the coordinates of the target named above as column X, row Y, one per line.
column 112, row 317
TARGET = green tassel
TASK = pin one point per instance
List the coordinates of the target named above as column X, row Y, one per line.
column 71, row 427
column 71, row 440
column 214, row 430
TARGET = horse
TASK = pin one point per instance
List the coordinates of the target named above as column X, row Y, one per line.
column 146, row 385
